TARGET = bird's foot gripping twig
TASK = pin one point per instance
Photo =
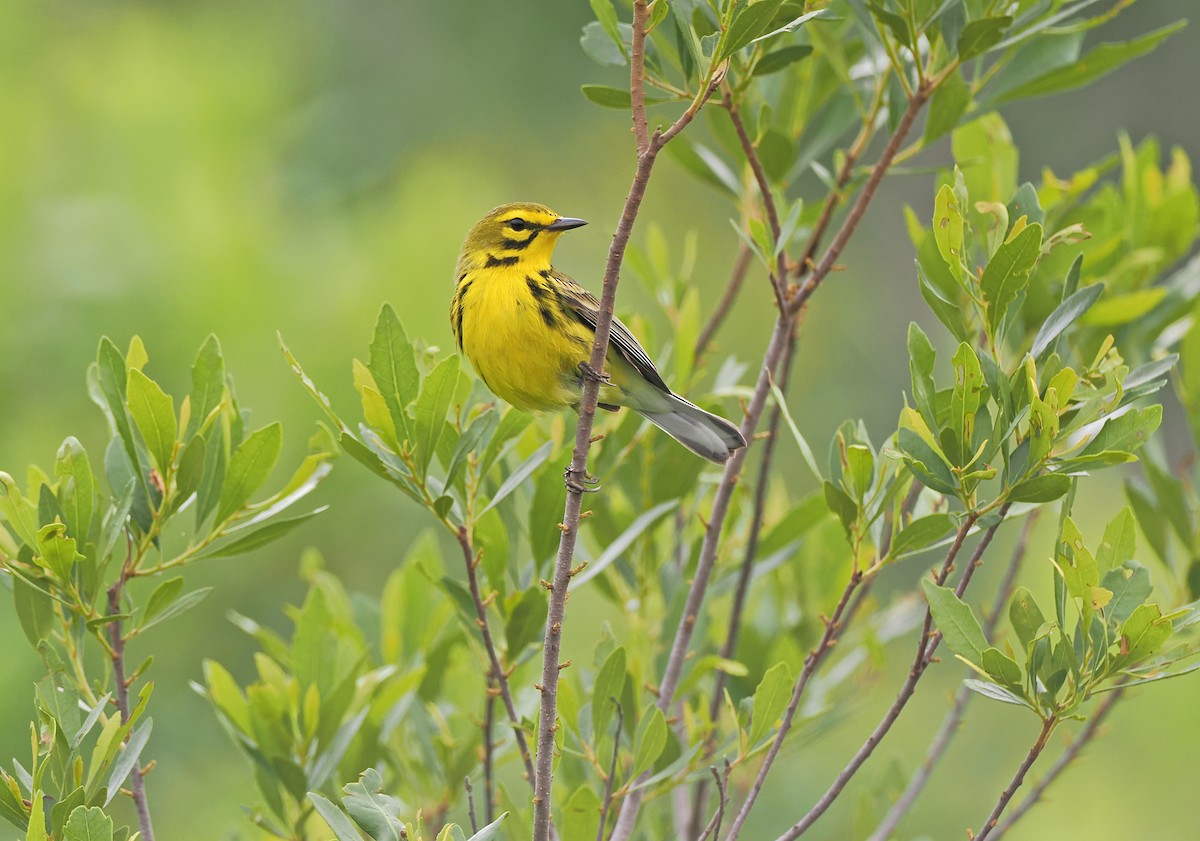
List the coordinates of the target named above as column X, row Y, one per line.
column 586, row 484
column 589, row 373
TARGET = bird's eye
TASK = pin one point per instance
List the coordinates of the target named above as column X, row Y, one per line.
column 517, row 224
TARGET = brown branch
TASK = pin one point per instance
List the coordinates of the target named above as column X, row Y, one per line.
column 606, row 803
column 648, row 150
column 137, row 783
column 778, row 275
column 471, row 805
column 927, row 644
column 737, row 277
column 713, row 830
column 489, row 772
column 1039, row 745
column 496, row 669
column 814, row 658
column 858, row 211
column 953, row 719
column 1069, row 754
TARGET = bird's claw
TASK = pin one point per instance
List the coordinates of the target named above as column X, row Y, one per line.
column 589, row 484
column 589, row 373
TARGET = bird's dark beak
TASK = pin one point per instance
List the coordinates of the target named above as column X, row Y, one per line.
column 565, row 223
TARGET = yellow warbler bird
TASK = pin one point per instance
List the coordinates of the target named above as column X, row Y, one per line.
column 528, row 330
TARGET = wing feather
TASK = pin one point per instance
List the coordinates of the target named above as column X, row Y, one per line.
column 583, row 306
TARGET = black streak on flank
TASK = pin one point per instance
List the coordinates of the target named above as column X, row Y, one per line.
column 493, row 261
column 547, row 274
column 548, row 317
column 540, row 292
column 460, row 299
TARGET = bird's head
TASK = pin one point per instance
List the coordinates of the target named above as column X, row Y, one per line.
column 522, row 232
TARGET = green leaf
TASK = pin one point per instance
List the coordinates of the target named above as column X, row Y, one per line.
column 581, row 813
column 1120, row 309
column 650, row 741
column 1026, row 617
column 898, row 24
column 770, row 699
column 525, row 622
column 965, row 400
column 343, row 828
column 19, row 512
column 86, row 824
column 920, row 534
column 208, row 384
column 153, row 413
column 1025, row 203
column 600, row 48
column 1064, row 315
column 805, row 450
column 491, row 832
column 1097, row 63
column 960, row 629
column 790, row 26
column 249, row 468
column 1007, row 273
column 57, row 552
column 381, row 815
column 393, row 364
column 176, row 607
column 1150, row 518
column 617, row 548
column 519, row 475
column 1130, row 586
column 921, row 358
column 437, row 393
column 1120, row 537
column 1128, row 432
column 1045, row 488
column 948, row 229
column 782, row 58
column 996, row 693
column 1001, row 667
column 748, row 24
column 610, row 683
column 1172, row 500
column 35, row 610
column 949, row 103
column 1143, row 633
column 164, row 596
column 127, row 760
column 979, row 36
column 77, row 489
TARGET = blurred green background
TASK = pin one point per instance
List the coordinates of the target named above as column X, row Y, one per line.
column 177, row 169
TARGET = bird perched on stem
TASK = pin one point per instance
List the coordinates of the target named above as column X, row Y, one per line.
column 528, row 330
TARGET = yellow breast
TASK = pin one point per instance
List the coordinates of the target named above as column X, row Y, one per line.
column 524, row 347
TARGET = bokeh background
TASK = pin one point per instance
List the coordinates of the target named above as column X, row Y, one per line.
column 175, row 169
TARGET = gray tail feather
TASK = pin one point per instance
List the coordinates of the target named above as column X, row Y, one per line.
column 705, row 434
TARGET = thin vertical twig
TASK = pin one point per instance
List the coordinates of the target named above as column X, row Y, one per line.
column 713, row 829
column 953, row 719
column 471, row 805
column 648, row 147
column 1035, row 751
column 489, row 747
column 496, row 669
column 606, row 803
column 1069, row 754
column 137, row 783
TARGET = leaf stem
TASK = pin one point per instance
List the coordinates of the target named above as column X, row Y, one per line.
column 606, row 803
